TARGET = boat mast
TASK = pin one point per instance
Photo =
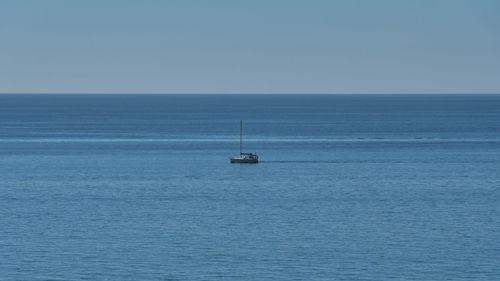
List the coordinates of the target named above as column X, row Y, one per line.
column 241, row 133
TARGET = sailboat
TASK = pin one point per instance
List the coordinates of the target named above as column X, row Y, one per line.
column 249, row 158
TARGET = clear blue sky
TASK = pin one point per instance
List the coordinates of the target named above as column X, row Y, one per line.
column 261, row 46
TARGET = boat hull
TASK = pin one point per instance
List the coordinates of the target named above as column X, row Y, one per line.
column 244, row 161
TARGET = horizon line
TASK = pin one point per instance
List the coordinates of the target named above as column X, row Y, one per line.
column 247, row 93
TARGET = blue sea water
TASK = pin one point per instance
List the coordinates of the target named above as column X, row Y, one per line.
column 350, row 187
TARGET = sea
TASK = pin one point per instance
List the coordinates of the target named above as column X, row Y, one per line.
column 348, row 187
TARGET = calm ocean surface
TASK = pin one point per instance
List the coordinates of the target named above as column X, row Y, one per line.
column 350, row 187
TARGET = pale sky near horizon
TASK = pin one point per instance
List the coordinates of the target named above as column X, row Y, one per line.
column 257, row 46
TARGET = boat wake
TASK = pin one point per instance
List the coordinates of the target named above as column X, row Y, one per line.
column 304, row 161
